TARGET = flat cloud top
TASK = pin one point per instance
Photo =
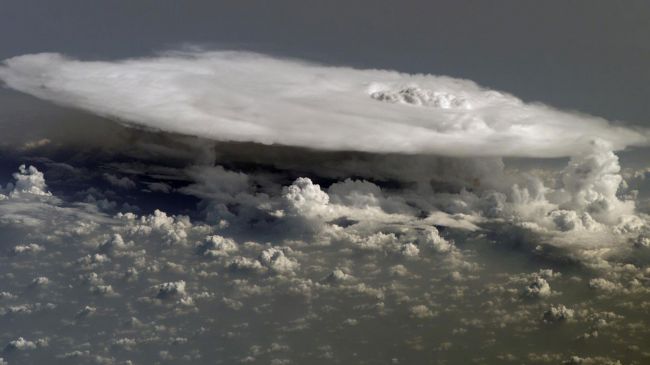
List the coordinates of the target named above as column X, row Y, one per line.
column 238, row 96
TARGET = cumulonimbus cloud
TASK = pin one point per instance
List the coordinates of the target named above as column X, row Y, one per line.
column 238, row 96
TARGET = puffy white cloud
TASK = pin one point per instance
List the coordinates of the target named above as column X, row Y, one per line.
column 398, row 270
column 40, row 281
column 421, row 312
column 237, row 96
column 414, row 95
column 170, row 289
column 21, row 344
column 305, row 197
column 276, row 260
column 217, row 246
column 558, row 313
column 374, row 242
column 86, row 311
column 27, row 249
column 430, row 237
column 569, row 220
column 103, row 290
column 91, row 261
column 604, row 285
column 6, row 295
column 337, row 276
column 538, row 288
column 171, row 229
column 127, row 343
column 409, row 250
column 362, row 194
column 29, row 182
column 592, row 180
column 114, row 243
column 245, row 264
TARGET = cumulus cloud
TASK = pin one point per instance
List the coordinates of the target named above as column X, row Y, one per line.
column 114, row 243
column 170, row 289
column 170, row 229
column 217, row 246
column 276, row 260
column 336, row 276
column 559, row 313
column 86, row 312
column 538, row 288
column 21, row 344
column 237, row 96
column 592, row 180
column 604, row 285
column 29, row 248
column 421, row 312
column 174, row 283
column 28, row 182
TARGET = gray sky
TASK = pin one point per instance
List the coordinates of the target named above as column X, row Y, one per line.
column 590, row 56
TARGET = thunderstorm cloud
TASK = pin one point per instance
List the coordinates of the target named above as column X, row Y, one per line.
column 231, row 207
column 246, row 97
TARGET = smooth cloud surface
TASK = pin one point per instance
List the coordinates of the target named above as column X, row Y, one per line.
column 236, row 96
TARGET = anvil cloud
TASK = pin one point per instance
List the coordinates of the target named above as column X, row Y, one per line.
column 247, row 97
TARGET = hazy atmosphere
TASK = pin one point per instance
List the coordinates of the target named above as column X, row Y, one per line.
column 291, row 182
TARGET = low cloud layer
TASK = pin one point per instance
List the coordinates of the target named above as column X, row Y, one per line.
column 237, row 96
column 301, row 273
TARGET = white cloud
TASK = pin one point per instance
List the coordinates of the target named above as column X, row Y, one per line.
column 409, row 250
column 559, row 313
column 170, row 289
column 86, row 311
column 172, row 229
column 276, row 260
column 337, row 276
column 217, row 246
column 248, row 293
column 237, row 96
column 29, row 182
column 114, row 243
column 29, row 248
column 305, row 197
column 421, row 312
column 21, row 344
column 538, row 288
column 592, row 179
column 604, row 285
column 245, row 264
column 40, row 281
